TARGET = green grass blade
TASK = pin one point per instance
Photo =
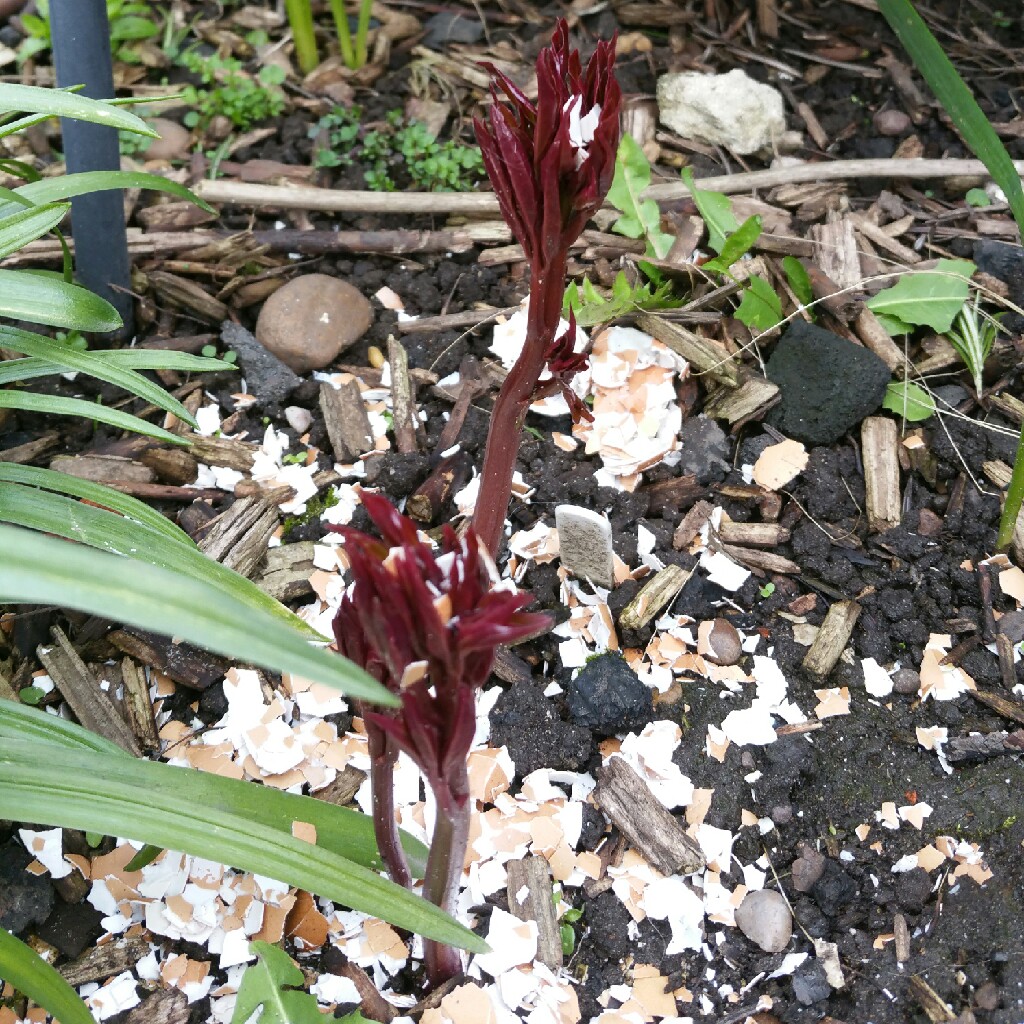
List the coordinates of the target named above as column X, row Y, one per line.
column 28, row 344
column 956, row 99
column 106, row 531
column 343, row 831
column 164, row 806
column 18, row 229
column 44, row 570
column 48, row 300
column 107, row 497
column 14, row 370
column 30, row 99
column 53, row 405
column 22, row 967
column 67, row 186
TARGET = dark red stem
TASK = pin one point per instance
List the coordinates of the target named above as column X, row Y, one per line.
column 547, row 286
column 444, row 870
column 383, row 756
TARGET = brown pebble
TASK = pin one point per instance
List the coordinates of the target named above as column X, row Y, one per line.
column 807, row 869
column 719, row 641
column 891, row 122
column 928, row 523
column 987, row 997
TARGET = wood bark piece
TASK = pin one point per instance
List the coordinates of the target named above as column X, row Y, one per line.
column 691, row 524
column 529, row 899
column 873, row 233
column 879, row 438
column 705, row 355
column 103, row 469
column 222, row 451
column 239, row 536
column 348, row 426
column 179, row 291
column 80, row 688
column 753, row 398
column 446, row 479
column 766, row 561
column 901, row 935
column 832, row 638
column 469, row 318
column 403, row 398
column 342, row 791
column 836, row 250
column 761, row 535
column 653, row 596
column 929, row 1000
column 1011, row 709
column 30, row 450
column 286, row 571
column 164, row 1006
column 138, row 705
column 675, row 495
column 185, row 664
column 7, row 692
column 171, row 465
column 627, row 802
column 876, row 338
column 102, row 962
column 981, row 746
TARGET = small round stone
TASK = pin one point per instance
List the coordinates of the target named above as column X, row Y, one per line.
column 906, row 680
column 764, row 918
column 891, row 122
column 311, row 320
column 174, row 143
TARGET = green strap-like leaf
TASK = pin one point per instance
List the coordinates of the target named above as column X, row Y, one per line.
column 24, row 226
column 48, row 300
column 341, row 830
column 107, row 531
column 44, row 570
column 29, row 344
column 54, row 405
column 22, row 967
column 64, row 483
column 32, row 99
column 155, row 803
column 67, row 186
column 14, row 370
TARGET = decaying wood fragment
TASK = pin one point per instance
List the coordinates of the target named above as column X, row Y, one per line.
column 102, row 962
column 186, row 294
column 285, row 571
column 164, row 1006
column 222, row 451
column 753, row 398
column 510, row 668
column 342, row 791
column 185, row 664
column 675, row 495
column 691, row 524
column 80, row 688
column 529, row 899
column 981, row 746
column 878, row 340
column 705, row 355
column 239, row 536
column 879, row 437
column 7, row 692
column 761, row 561
column 1007, row 671
column 901, row 934
column 1011, row 709
column 30, row 450
column 836, row 252
column 138, row 705
column 832, row 638
column 348, row 426
column 446, row 479
column 403, row 398
column 473, row 382
column 628, row 803
column 171, row 465
column 760, row 535
column 103, row 469
column 929, row 1000
column 653, row 596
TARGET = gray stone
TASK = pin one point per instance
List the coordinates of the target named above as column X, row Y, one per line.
column 1011, row 625
column 731, row 110
column 703, row 450
column 906, row 680
column 891, row 122
column 450, row 27
column 585, row 543
column 608, row 697
column 308, row 322
column 266, row 376
column 25, row 899
column 827, row 384
column 765, row 919
column 810, row 983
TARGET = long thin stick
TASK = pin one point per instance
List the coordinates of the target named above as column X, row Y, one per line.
column 484, row 203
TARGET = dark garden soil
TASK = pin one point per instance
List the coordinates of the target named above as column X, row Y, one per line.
column 940, row 941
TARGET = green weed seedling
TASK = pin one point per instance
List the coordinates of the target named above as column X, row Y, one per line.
column 228, row 90
column 130, row 21
column 591, row 308
column 972, row 335
column 397, row 147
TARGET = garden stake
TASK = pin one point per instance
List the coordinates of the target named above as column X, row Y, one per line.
column 81, row 54
column 551, row 165
column 427, row 627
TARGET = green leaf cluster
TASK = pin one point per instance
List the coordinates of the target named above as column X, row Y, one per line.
column 130, row 21
column 400, row 149
column 228, row 90
column 641, row 218
column 591, row 308
column 927, row 298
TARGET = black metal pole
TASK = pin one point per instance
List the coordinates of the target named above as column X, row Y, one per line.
column 81, row 53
